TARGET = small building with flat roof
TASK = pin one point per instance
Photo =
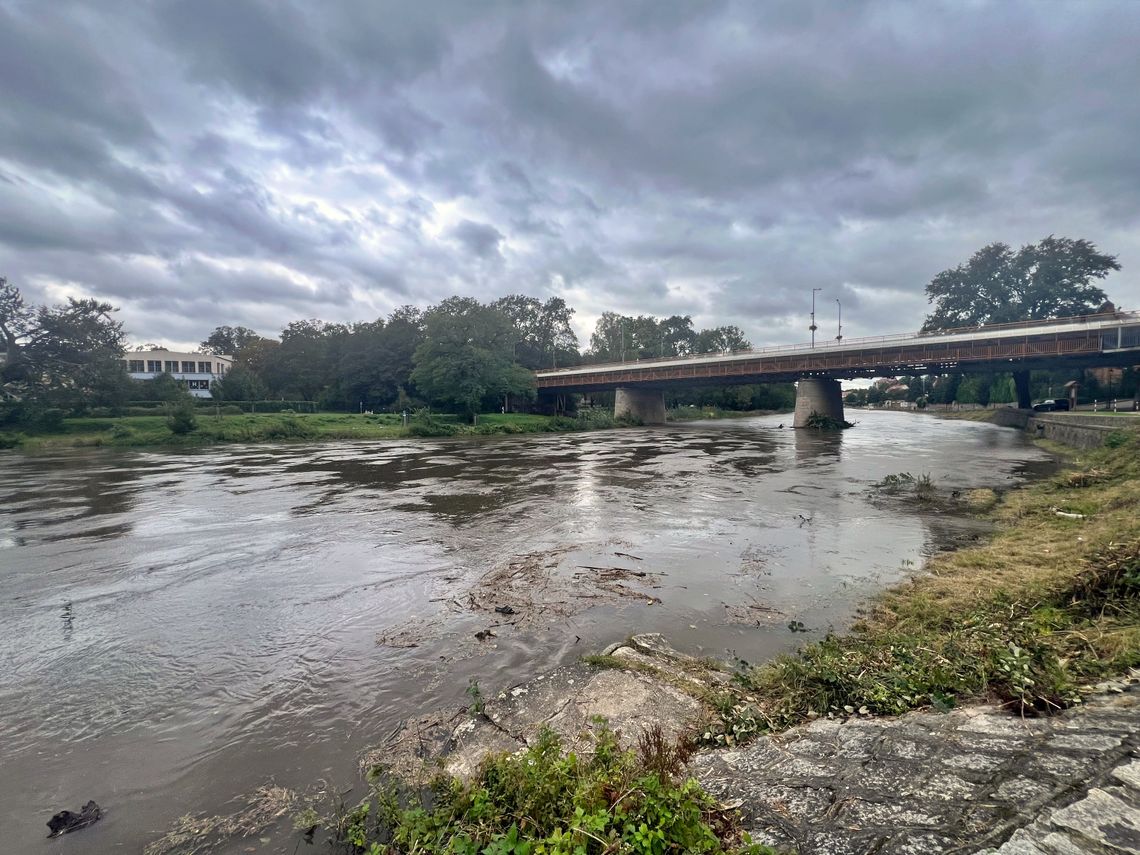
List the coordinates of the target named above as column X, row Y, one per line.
column 197, row 371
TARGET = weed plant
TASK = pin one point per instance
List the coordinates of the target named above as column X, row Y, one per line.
column 549, row 801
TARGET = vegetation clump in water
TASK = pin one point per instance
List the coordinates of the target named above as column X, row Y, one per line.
column 822, row 422
column 922, row 486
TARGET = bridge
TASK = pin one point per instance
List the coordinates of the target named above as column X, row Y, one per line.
column 1111, row 339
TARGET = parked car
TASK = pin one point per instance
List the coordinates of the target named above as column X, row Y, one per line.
column 1051, row 404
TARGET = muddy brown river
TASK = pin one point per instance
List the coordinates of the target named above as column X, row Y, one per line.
column 178, row 628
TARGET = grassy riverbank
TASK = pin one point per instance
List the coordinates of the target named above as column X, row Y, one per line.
column 156, row 430
column 1049, row 605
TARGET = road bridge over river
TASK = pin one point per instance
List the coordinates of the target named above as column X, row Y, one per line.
column 1111, row 339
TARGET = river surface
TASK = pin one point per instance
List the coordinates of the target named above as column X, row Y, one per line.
column 177, row 628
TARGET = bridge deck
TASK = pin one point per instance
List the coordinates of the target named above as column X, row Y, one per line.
column 1095, row 339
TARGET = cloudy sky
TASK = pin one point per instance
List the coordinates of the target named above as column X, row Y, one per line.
column 206, row 162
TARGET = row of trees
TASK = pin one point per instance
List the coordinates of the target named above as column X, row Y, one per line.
column 617, row 338
column 466, row 355
column 460, row 353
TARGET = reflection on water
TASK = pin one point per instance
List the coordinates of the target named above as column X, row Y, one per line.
column 180, row 627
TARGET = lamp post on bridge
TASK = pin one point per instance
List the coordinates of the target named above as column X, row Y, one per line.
column 839, row 337
column 813, row 327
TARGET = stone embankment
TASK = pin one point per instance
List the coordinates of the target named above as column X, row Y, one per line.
column 1077, row 430
column 975, row 779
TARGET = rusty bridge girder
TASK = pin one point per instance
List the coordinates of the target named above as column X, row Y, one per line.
column 1009, row 348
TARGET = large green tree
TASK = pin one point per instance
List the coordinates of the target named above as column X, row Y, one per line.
column 468, row 355
column 543, row 335
column 375, row 361
column 67, row 355
column 722, row 340
column 304, row 366
column 607, row 344
column 677, row 336
column 620, row 337
column 229, row 341
column 240, row 384
column 1052, row 278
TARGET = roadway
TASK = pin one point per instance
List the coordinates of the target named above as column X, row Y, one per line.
column 1094, row 340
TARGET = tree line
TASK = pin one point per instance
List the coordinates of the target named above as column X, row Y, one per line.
column 465, row 356
column 461, row 355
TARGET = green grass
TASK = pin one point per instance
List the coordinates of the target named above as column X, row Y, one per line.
column 149, row 431
column 1050, row 605
column 547, row 800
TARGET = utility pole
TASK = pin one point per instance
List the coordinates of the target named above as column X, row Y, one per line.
column 840, row 305
column 813, row 327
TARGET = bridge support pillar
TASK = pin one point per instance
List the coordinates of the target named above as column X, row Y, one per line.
column 817, row 395
column 1021, row 385
column 643, row 405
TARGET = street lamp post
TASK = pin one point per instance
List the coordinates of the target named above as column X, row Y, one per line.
column 813, row 327
column 840, row 305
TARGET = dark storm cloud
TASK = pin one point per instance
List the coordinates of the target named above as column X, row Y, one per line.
column 202, row 162
column 478, row 238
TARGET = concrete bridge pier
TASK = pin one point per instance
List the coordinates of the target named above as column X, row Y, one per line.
column 644, row 405
column 1021, row 385
column 817, row 395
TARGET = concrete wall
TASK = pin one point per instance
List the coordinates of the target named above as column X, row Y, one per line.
column 1011, row 417
column 817, row 395
column 1078, row 431
column 643, row 405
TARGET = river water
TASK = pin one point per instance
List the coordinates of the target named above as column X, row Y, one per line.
column 177, row 628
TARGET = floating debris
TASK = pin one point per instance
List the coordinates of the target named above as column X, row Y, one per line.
column 65, row 821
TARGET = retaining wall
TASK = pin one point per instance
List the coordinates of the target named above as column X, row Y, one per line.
column 1077, row 430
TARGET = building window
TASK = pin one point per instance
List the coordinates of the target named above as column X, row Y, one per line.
column 203, row 367
column 154, row 366
column 171, row 366
column 187, row 367
column 136, row 365
column 200, row 384
column 221, row 368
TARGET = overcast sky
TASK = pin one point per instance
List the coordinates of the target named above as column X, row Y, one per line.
column 209, row 162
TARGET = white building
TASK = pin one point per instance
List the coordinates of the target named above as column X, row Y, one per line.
column 198, row 371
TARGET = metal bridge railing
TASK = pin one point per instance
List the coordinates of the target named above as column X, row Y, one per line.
column 852, row 344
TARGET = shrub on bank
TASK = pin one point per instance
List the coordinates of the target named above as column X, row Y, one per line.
column 180, row 417
column 429, row 429
column 548, row 800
